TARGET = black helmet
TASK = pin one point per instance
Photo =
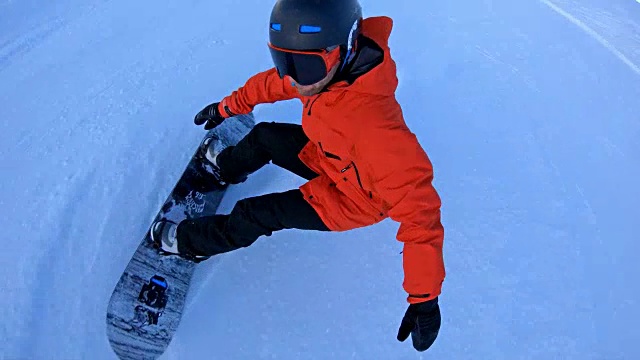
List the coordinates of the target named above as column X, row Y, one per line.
column 313, row 24
column 299, row 26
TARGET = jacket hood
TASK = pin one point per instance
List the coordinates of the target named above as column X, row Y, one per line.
column 373, row 71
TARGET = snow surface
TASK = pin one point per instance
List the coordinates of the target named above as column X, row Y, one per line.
column 528, row 109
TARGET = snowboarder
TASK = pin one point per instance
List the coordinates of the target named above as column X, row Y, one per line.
column 362, row 162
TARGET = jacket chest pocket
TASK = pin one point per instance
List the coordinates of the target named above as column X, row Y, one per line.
column 350, row 170
column 351, row 182
column 343, row 164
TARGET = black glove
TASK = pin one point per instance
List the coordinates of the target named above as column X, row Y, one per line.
column 422, row 321
column 209, row 116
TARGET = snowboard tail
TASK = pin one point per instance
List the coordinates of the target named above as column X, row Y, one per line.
column 148, row 301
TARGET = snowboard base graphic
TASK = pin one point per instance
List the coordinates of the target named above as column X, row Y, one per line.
column 147, row 303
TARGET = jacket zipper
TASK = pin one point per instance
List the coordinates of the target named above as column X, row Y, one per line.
column 355, row 168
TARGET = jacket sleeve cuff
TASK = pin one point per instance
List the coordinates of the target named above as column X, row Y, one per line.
column 224, row 110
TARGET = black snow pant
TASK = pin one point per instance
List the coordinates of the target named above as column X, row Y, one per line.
column 253, row 217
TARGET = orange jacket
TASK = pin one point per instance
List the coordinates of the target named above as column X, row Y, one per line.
column 371, row 165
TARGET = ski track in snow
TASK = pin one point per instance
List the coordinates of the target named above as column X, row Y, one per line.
column 594, row 34
column 15, row 48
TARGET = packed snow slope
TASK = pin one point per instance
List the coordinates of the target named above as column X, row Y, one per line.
column 528, row 109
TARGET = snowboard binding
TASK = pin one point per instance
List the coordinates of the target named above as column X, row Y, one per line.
column 202, row 175
column 209, row 170
column 156, row 234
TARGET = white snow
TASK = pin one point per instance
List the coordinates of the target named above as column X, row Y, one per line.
column 529, row 111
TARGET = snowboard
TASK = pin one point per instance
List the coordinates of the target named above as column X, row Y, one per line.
column 146, row 305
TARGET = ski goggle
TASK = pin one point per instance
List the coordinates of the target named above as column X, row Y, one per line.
column 305, row 67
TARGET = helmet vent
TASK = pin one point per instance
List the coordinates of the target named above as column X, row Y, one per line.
column 309, row 29
column 276, row 27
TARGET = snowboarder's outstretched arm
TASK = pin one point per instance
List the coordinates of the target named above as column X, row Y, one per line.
column 402, row 176
column 264, row 87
